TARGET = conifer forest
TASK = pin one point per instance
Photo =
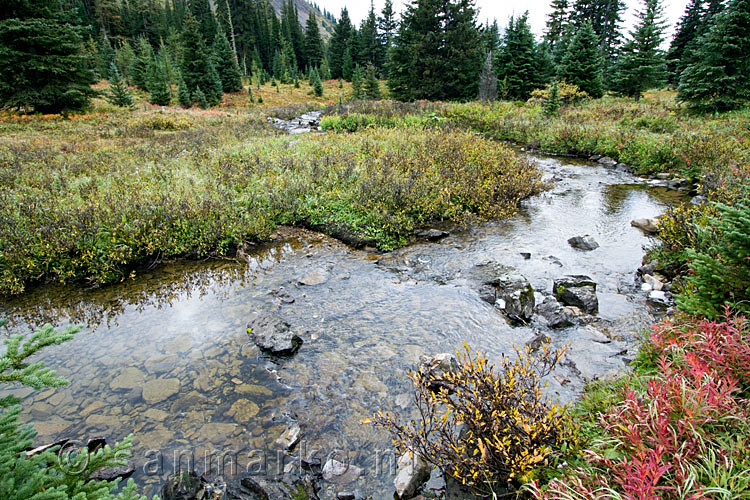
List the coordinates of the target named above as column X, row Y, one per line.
column 280, row 249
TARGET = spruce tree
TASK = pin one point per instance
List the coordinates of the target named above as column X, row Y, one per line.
column 47, row 475
column 642, row 64
column 488, row 81
column 197, row 68
column 516, row 61
column 183, row 93
column 719, row 79
column 347, row 69
column 160, row 91
column 556, row 22
column 370, row 84
column 686, row 32
column 357, row 84
column 124, row 56
column 552, row 101
column 387, row 24
column 43, row 66
column 199, row 98
column 338, row 44
column 370, row 49
column 201, row 11
column 582, row 63
column 118, row 93
column 313, row 43
column 437, row 53
column 317, row 84
column 141, row 63
column 605, row 19
column 106, row 56
column 226, row 64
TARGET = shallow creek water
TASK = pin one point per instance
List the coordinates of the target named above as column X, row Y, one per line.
column 167, row 356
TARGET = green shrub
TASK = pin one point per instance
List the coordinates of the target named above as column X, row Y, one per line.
column 721, row 273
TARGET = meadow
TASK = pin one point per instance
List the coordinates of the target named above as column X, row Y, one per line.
column 93, row 196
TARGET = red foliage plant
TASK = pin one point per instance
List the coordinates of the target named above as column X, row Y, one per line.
column 658, row 438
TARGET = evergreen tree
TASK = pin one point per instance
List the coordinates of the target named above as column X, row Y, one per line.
column 159, row 87
column 516, row 61
column 491, row 36
column 686, row 31
column 556, row 22
column 582, row 64
column 719, row 79
column 552, row 101
column 105, row 56
column 226, row 64
column 197, row 68
column 370, row 85
column 47, row 474
column 317, row 84
column 437, row 53
column 338, row 44
column 313, row 43
column 387, row 24
column 357, row 84
column 347, row 69
column 605, row 18
column 201, row 10
column 140, row 64
column 369, row 49
column 642, row 64
column 544, row 65
column 250, row 94
column 488, row 81
column 43, row 65
column 325, row 70
column 124, row 57
column 118, row 93
column 183, row 93
column 199, row 98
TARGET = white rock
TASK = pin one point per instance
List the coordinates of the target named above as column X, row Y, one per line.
column 654, row 281
column 290, row 437
column 646, row 287
column 339, row 472
column 646, row 225
column 412, row 471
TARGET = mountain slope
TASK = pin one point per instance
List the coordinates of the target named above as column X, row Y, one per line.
column 304, row 9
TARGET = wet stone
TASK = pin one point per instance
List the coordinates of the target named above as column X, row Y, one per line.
column 340, row 473
column 157, row 390
column 578, row 291
column 272, row 334
column 243, row 410
column 129, row 378
column 585, row 243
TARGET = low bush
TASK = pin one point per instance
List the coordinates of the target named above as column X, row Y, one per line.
column 493, row 428
column 95, row 213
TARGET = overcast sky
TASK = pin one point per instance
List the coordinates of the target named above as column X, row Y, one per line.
column 503, row 9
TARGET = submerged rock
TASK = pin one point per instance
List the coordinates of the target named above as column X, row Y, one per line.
column 506, row 289
column 412, row 471
column 318, row 276
column 578, row 291
column 585, row 243
column 272, row 334
column 649, row 226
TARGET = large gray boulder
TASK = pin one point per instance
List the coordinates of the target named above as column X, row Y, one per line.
column 272, row 334
column 555, row 314
column 506, row 289
column 412, row 471
column 585, row 243
column 578, row 291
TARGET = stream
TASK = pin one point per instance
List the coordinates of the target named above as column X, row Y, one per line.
column 167, row 356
